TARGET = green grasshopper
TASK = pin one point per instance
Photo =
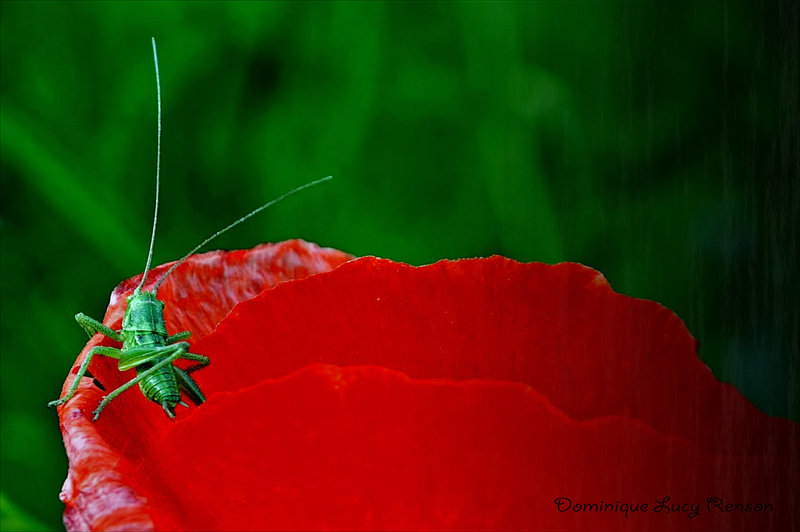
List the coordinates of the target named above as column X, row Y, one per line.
column 146, row 345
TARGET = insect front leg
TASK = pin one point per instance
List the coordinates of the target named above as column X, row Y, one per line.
column 178, row 350
column 92, row 327
column 101, row 350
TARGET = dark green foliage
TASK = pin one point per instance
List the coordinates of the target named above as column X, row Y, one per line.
column 656, row 142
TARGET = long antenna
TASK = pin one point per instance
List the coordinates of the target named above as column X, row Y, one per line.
column 158, row 173
column 237, row 222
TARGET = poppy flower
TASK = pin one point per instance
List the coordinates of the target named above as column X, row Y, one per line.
column 467, row 394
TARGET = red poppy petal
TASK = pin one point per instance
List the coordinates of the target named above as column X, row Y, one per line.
column 560, row 329
column 370, row 448
column 97, row 492
column 490, row 388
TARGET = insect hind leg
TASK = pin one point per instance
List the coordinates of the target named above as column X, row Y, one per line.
column 189, row 385
column 137, row 356
column 179, row 349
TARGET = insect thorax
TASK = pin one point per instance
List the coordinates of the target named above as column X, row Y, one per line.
column 144, row 315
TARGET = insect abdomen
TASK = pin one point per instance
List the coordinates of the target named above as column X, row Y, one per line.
column 160, row 387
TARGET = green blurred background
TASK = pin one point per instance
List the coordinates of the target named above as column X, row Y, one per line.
column 656, row 142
